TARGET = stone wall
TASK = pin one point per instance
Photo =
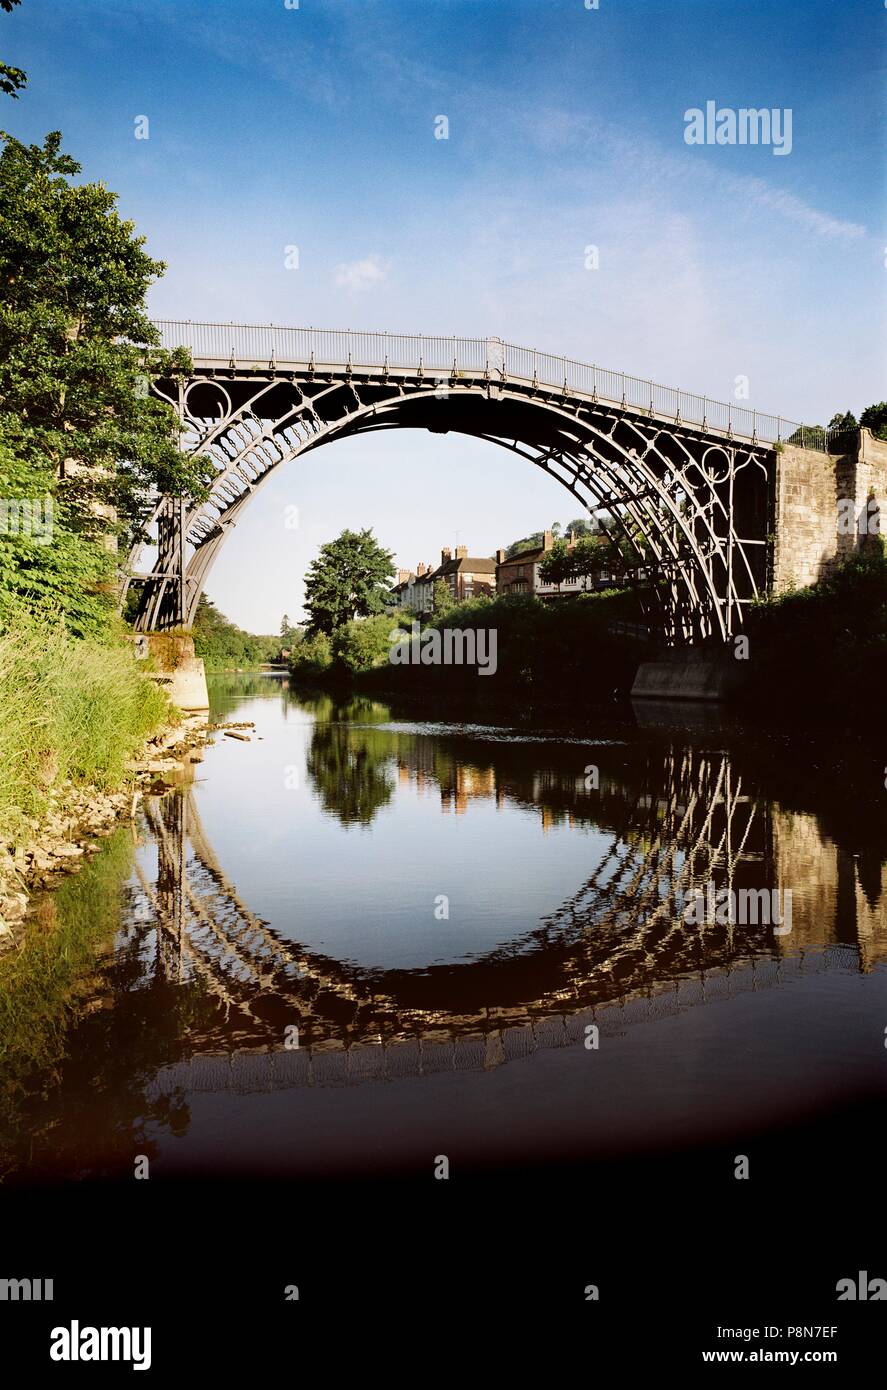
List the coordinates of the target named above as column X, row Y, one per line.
column 809, row 486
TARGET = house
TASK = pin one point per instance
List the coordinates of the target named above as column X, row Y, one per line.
column 519, row 574
column 465, row 576
column 413, row 589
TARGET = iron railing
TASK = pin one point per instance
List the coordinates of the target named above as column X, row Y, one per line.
column 325, row 348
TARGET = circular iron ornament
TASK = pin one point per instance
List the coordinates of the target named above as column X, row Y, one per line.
column 203, row 385
column 713, row 473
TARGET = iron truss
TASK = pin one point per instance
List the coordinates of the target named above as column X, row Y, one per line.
column 693, row 503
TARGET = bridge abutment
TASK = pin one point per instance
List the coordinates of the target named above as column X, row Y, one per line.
column 810, row 524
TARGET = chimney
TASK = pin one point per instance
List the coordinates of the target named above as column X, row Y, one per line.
column 420, row 570
column 445, row 555
column 547, row 540
column 461, row 552
column 500, row 557
column 402, row 576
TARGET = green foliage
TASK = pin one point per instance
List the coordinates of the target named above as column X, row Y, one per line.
column 532, row 542
column 808, row 437
column 441, row 598
column 54, row 571
column 76, row 348
column 845, row 421
column 590, row 557
column 556, row 565
column 12, row 80
column 226, row 647
column 825, row 646
column 550, row 648
column 289, row 635
column 71, row 710
column 364, row 643
column 579, row 526
column 874, row 418
column 350, row 578
column 313, row 655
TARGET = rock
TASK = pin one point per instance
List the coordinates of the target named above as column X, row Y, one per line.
column 66, row 850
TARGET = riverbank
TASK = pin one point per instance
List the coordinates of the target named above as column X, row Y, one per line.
column 78, row 818
column 83, row 730
column 816, row 656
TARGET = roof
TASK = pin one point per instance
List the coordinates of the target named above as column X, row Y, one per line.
column 473, row 564
column 523, row 557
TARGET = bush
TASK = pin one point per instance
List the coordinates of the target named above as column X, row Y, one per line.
column 313, row 655
column 364, row 643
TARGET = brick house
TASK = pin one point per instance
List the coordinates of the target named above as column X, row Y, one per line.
column 519, row 574
column 465, row 576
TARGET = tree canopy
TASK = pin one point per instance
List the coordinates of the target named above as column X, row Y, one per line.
column 223, row 645
column 76, row 346
column 350, row 578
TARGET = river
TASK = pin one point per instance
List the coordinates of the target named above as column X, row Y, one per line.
column 361, row 941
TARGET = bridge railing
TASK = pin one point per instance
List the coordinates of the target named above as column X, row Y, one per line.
column 264, row 343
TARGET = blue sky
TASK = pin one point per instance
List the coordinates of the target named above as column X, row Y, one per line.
column 315, row 126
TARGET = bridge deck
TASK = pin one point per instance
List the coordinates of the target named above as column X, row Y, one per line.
column 216, row 347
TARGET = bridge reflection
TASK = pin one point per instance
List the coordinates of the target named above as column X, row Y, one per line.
column 616, row 951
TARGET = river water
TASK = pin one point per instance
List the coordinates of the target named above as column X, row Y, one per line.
column 363, row 940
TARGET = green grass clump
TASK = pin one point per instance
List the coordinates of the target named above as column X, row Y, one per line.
column 71, row 709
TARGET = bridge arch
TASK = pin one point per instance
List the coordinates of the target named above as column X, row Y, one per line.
column 693, row 500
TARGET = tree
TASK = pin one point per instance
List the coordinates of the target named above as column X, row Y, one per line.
column 288, row 634
column 874, row 418
column 76, row 352
column 441, row 598
column 847, row 421
column 556, row 565
column 532, row 542
column 222, row 644
column 362, row 645
column 350, row 578
column 12, row 80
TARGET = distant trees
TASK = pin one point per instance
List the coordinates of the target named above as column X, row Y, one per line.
column 532, row 542
column 874, row 418
column 289, row 635
column 223, row 645
column 579, row 526
column 350, row 578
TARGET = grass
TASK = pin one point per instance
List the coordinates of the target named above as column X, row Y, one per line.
column 72, row 710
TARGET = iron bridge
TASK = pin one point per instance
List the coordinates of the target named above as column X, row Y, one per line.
column 684, row 482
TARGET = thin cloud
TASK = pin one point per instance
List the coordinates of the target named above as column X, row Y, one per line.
column 360, row 275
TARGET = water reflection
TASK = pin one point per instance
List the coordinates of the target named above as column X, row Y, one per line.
column 198, row 990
